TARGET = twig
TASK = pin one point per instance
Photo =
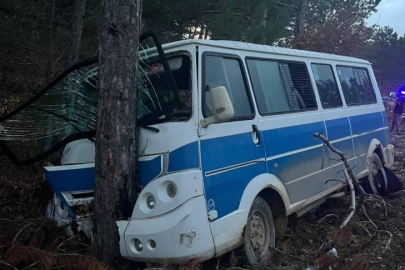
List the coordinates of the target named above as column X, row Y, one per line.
column 9, row 265
column 282, row 252
column 334, row 180
column 329, row 215
column 18, row 234
column 364, row 227
column 365, row 213
column 389, row 240
column 370, row 198
column 67, row 240
column 29, row 266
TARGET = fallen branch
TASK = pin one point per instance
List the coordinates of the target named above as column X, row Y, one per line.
column 351, row 179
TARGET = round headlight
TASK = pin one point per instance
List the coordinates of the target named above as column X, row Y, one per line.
column 150, row 202
column 138, row 245
column 171, row 190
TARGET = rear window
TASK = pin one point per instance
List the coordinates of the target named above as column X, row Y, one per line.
column 356, row 85
column 281, row 86
column 327, row 86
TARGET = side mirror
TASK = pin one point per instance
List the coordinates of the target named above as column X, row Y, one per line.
column 222, row 107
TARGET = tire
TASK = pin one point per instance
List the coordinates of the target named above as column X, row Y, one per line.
column 377, row 186
column 260, row 234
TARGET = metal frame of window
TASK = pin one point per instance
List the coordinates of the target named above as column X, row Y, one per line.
column 244, row 77
column 280, row 61
column 170, row 55
column 369, row 79
column 86, row 134
column 336, row 83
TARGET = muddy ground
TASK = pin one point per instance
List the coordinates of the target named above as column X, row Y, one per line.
column 374, row 239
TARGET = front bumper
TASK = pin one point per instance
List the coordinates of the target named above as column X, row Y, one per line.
column 179, row 236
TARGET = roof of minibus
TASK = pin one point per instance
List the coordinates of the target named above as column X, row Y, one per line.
column 237, row 45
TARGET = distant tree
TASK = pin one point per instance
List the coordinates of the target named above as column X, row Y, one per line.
column 343, row 32
column 260, row 21
column 31, row 51
column 321, row 11
column 386, row 50
column 73, row 53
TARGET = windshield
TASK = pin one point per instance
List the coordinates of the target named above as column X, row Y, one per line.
column 66, row 109
column 155, row 95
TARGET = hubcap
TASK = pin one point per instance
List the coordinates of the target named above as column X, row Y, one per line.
column 259, row 235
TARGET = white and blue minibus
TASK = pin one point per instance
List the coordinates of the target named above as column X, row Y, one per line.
column 236, row 156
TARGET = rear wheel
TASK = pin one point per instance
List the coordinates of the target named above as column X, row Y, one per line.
column 260, row 234
column 377, row 184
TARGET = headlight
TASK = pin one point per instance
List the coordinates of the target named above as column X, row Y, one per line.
column 138, row 245
column 171, row 190
column 150, row 202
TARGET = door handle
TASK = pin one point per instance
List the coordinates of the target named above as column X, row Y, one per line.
column 256, row 132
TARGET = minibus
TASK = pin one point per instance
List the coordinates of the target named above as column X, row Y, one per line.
column 228, row 155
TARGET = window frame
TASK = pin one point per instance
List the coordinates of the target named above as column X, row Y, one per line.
column 336, row 82
column 244, row 77
column 278, row 61
column 371, row 83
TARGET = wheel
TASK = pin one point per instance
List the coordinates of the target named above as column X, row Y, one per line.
column 378, row 185
column 260, row 235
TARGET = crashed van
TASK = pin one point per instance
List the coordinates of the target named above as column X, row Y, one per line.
column 226, row 151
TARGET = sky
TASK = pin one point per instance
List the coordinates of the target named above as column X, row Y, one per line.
column 390, row 13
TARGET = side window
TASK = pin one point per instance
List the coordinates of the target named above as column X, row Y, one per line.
column 356, row 85
column 222, row 71
column 327, row 86
column 281, row 86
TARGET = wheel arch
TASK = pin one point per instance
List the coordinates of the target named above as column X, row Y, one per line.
column 375, row 147
column 271, row 189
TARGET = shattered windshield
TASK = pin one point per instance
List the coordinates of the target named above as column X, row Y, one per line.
column 66, row 109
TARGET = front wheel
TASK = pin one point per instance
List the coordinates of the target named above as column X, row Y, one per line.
column 259, row 242
column 378, row 185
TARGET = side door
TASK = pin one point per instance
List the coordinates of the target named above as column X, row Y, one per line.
column 231, row 152
column 336, row 118
column 290, row 117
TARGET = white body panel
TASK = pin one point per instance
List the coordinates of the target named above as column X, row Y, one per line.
column 207, row 216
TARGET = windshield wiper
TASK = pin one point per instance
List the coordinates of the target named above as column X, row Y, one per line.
column 151, row 128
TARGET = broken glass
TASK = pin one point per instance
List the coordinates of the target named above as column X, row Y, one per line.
column 66, row 110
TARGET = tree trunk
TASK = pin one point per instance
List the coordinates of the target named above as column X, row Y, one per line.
column 300, row 19
column 50, row 53
column 116, row 123
column 73, row 54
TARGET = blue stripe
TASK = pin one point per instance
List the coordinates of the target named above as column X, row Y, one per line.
column 281, row 140
column 293, row 166
column 224, row 151
column 366, row 122
column 338, row 128
column 149, row 170
column 226, row 188
column 184, row 158
column 70, row 180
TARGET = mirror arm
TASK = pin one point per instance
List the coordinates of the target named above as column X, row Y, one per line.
column 207, row 121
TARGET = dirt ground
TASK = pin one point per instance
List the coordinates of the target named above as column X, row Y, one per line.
column 374, row 238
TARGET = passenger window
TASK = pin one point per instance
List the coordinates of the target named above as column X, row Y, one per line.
column 327, row 86
column 221, row 71
column 281, row 86
column 356, row 85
